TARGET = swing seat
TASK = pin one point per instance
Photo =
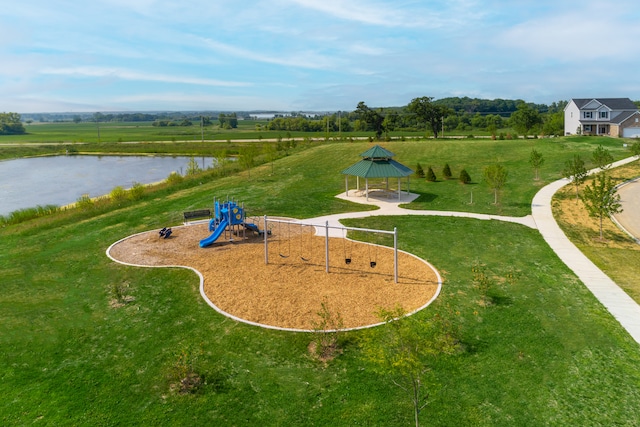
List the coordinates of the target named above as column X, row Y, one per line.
column 372, row 264
column 347, row 260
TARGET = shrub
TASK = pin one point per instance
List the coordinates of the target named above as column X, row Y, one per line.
column 136, row 191
column 446, row 171
column 465, row 178
column 174, row 178
column 118, row 194
column 419, row 171
column 192, row 167
column 431, row 176
column 84, row 202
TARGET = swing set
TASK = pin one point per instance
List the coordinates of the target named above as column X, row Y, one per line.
column 306, row 250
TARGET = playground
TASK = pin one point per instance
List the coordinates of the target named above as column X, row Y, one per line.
column 289, row 290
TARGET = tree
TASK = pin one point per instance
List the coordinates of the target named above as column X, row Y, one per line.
column 536, row 160
column 431, row 175
column 496, row 177
column 601, row 198
column 446, row 171
column 635, row 149
column 575, row 171
column 419, row 171
column 428, row 112
column 602, row 157
column 464, row 178
column 403, row 350
column 192, row 167
column 372, row 118
column 11, row 124
column 270, row 154
column 247, row 157
column 525, row 118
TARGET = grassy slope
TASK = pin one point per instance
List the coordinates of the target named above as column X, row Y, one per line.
column 545, row 353
column 618, row 255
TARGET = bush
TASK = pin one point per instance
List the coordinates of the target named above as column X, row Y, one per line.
column 137, row 191
column 419, row 171
column 431, row 176
column 446, row 171
column 84, row 202
column 465, row 178
column 118, row 194
column 174, row 178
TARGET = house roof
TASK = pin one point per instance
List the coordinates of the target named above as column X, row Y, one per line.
column 378, row 168
column 613, row 103
column 623, row 116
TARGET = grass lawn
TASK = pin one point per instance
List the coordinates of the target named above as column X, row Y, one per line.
column 618, row 255
column 536, row 347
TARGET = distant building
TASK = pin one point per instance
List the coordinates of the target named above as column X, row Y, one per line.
column 602, row 116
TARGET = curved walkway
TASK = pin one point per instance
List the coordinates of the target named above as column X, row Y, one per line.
column 623, row 308
column 620, row 305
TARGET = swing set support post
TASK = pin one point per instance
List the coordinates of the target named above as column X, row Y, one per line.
column 395, row 254
column 266, row 245
column 326, row 245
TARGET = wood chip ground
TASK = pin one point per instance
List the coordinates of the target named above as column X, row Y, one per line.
column 289, row 291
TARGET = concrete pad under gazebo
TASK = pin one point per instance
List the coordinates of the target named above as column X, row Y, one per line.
column 377, row 163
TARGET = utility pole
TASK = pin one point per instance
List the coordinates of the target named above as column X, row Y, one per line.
column 202, row 127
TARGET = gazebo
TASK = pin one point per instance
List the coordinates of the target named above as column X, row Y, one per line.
column 377, row 163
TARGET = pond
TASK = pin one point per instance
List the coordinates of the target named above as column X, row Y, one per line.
column 61, row 180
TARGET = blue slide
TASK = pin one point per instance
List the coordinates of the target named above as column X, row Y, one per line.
column 216, row 233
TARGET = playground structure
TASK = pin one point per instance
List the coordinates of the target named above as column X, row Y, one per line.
column 229, row 220
column 326, row 230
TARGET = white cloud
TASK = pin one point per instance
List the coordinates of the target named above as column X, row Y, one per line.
column 139, row 76
column 577, row 35
column 301, row 59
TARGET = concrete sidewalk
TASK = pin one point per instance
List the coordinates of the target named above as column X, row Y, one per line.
column 615, row 300
column 391, row 206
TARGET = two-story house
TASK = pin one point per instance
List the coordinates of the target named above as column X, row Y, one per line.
column 602, row 116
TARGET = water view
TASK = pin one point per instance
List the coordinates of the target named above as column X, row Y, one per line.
column 61, row 180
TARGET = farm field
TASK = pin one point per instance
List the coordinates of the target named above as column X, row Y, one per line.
column 535, row 347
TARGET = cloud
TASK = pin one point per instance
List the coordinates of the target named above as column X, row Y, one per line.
column 580, row 34
column 124, row 74
column 300, row 59
column 399, row 14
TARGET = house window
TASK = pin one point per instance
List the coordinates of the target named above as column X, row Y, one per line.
column 604, row 114
column 588, row 114
column 587, row 128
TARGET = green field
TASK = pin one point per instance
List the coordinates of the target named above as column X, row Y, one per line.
column 543, row 352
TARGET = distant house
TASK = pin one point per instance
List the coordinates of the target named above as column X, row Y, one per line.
column 602, row 116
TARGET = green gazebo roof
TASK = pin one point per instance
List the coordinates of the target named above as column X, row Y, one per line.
column 378, row 163
column 377, row 152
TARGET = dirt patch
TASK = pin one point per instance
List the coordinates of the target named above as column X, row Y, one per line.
column 289, row 291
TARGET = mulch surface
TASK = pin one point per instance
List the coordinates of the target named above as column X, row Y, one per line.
column 288, row 292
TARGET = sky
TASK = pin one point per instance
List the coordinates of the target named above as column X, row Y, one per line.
column 310, row 55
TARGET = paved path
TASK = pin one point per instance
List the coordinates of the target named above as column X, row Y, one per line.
column 391, row 206
column 619, row 304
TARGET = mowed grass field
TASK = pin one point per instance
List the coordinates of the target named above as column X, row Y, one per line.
column 536, row 348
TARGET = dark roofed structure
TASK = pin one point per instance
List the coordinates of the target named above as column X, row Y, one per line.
column 377, row 163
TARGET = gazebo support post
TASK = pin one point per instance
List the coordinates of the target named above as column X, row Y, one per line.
column 366, row 188
column 346, row 185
